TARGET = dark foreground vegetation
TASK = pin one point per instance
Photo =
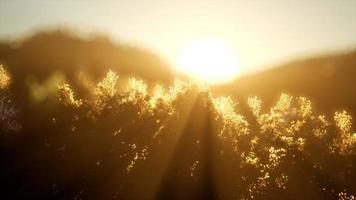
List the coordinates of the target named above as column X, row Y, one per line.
column 175, row 143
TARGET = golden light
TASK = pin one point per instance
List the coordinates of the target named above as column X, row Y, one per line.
column 209, row 60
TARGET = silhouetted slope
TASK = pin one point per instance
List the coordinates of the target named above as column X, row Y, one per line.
column 38, row 64
column 46, row 52
column 329, row 81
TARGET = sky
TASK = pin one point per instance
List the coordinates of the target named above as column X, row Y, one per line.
column 262, row 32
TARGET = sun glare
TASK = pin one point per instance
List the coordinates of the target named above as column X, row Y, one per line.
column 209, row 60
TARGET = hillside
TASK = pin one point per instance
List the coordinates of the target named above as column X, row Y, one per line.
column 45, row 52
column 40, row 62
column 327, row 80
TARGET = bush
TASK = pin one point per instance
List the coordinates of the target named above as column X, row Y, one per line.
column 182, row 142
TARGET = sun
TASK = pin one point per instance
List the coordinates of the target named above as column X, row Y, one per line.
column 209, row 60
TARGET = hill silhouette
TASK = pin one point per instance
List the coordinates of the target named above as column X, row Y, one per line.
column 45, row 52
column 50, row 57
column 327, row 80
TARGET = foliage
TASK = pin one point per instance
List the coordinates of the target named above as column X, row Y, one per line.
column 8, row 112
column 4, row 78
column 137, row 142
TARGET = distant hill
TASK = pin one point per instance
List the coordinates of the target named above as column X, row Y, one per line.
column 45, row 52
column 40, row 62
column 329, row 81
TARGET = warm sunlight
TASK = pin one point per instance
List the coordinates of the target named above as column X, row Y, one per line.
column 197, row 99
column 209, row 60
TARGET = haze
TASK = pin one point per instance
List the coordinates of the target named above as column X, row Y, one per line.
column 262, row 32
